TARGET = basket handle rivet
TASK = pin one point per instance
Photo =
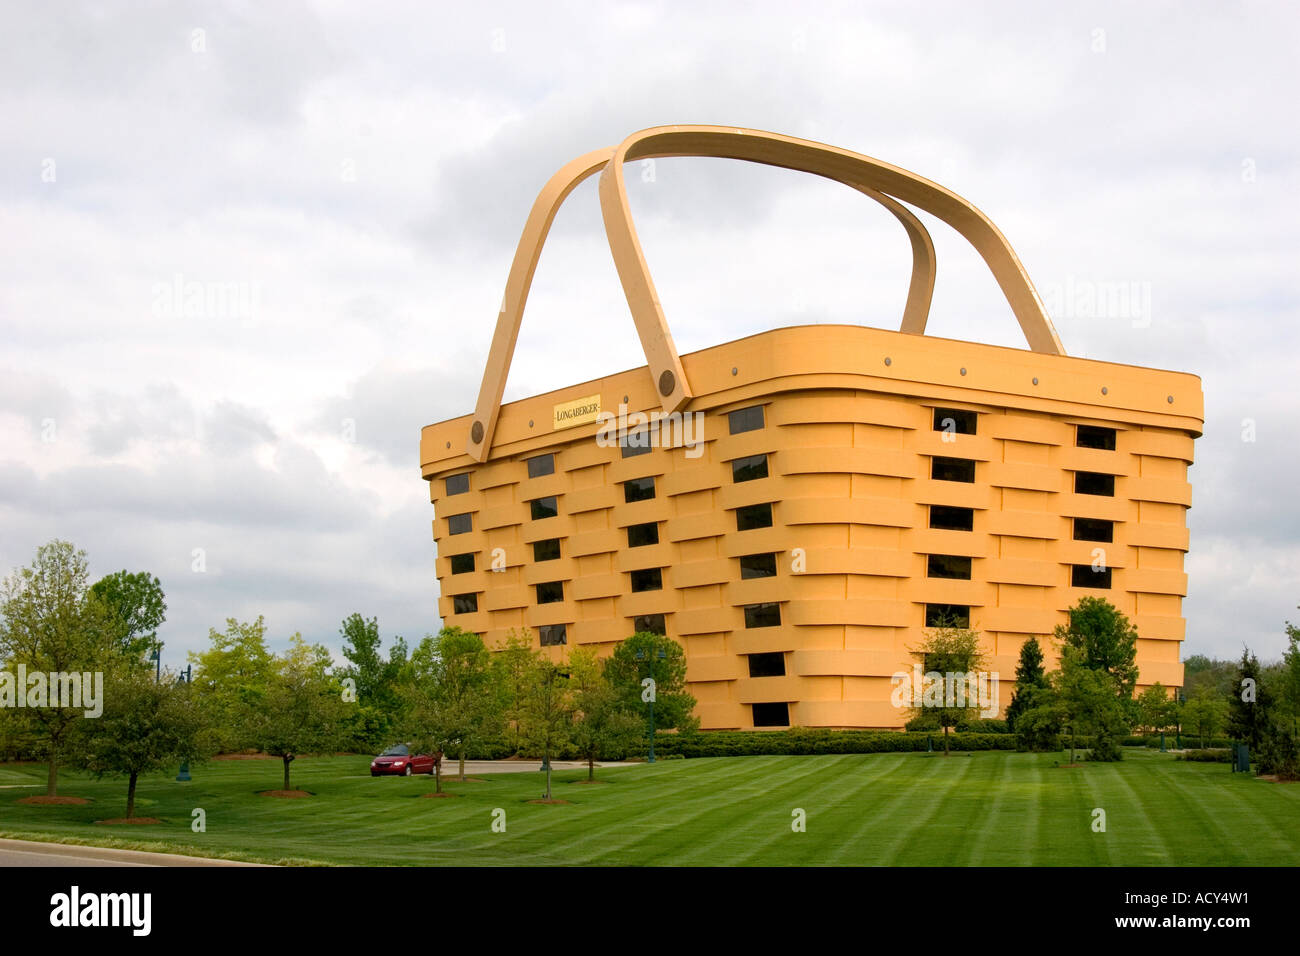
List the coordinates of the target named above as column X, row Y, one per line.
column 1035, row 379
column 476, row 433
column 963, row 371
column 1105, row 390
column 667, row 382
column 888, row 361
column 1169, row 399
column 734, row 370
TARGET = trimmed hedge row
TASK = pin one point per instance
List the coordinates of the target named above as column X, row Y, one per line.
column 800, row 741
column 1206, row 756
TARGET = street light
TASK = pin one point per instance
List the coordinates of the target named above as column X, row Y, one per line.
column 156, row 656
column 551, row 674
column 642, row 656
column 184, row 678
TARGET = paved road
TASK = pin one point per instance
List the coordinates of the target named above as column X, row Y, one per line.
column 28, row 853
column 476, row 767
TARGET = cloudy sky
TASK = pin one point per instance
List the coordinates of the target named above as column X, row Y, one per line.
column 345, row 183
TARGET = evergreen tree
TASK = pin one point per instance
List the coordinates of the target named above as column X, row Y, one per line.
column 1030, row 674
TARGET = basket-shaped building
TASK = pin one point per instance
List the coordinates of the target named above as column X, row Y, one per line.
column 797, row 508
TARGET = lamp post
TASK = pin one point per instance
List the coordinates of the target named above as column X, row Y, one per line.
column 186, row 676
column 551, row 673
column 156, row 656
column 648, row 693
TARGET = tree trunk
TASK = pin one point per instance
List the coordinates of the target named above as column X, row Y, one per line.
column 52, row 778
column 945, row 740
column 437, row 776
column 462, row 765
column 1072, row 743
column 591, row 767
column 286, row 758
column 130, row 795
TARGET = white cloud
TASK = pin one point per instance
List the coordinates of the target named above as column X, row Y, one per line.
column 338, row 192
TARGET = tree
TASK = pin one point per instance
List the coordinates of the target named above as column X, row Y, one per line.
column 952, row 660
column 1290, row 682
column 601, row 724
column 1200, row 672
column 1205, row 713
column 1249, row 704
column 376, row 678
column 1156, row 709
column 1039, row 723
column 1090, row 702
column 469, row 706
column 147, row 724
column 645, row 655
column 51, row 624
column 136, row 601
column 233, row 677
column 546, row 718
column 1105, row 640
column 302, row 711
column 512, row 663
column 1030, row 675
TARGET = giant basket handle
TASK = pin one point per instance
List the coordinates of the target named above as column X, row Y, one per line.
column 871, row 177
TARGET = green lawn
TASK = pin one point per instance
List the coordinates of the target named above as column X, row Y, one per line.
column 992, row 808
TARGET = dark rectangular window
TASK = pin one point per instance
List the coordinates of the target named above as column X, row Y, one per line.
column 460, row 524
column 546, row 550
column 1083, row 576
column 1093, row 529
column 771, row 715
column 457, row 484
column 541, row 508
column 747, row 469
column 462, row 563
column 464, row 603
column 947, row 615
column 648, row 579
column 639, row 535
column 1093, row 483
column 552, row 634
column 754, row 516
column 639, row 489
column 551, row 592
column 767, row 665
column 649, row 624
column 541, row 465
column 955, row 420
column 758, row 566
column 1094, row 436
column 762, row 615
column 636, row 443
column 948, row 566
column 948, row 518
column 745, row 419
column 952, row 469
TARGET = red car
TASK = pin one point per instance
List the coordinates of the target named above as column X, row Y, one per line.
column 400, row 760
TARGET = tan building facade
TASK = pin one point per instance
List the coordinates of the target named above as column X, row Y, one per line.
column 819, row 497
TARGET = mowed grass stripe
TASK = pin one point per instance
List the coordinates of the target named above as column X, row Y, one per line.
column 845, row 820
column 937, row 830
column 890, row 800
column 773, row 813
column 1141, row 837
column 703, row 810
column 631, row 820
